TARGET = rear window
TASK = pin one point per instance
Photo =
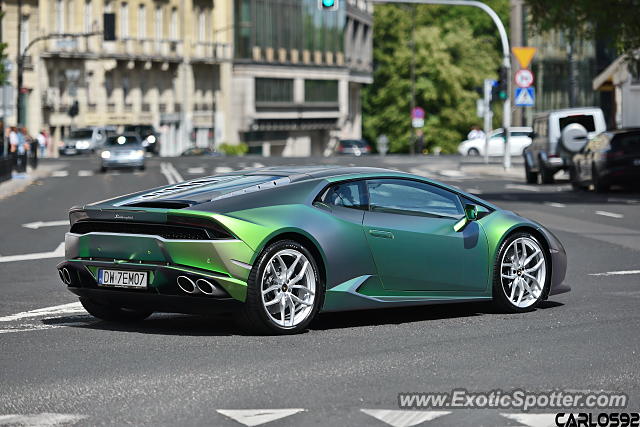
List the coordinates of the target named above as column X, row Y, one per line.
column 122, row 140
column 627, row 142
column 81, row 134
column 584, row 120
column 349, row 143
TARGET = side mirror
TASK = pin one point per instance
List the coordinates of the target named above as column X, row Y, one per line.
column 470, row 215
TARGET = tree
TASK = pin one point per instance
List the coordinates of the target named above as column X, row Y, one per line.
column 3, row 56
column 456, row 49
column 615, row 20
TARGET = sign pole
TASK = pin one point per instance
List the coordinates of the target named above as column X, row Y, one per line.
column 488, row 117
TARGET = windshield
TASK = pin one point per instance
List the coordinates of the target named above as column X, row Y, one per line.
column 141, row 129
column 121, row 140
column 81, row 134
column 349, row 143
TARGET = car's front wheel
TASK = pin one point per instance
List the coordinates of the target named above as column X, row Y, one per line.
column 113, row 313
column 522, row 273
column 473, row 152
column 285, row 290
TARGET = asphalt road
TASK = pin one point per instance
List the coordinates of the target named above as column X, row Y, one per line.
column 61, row 366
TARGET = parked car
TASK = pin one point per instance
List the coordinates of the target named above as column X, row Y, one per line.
column 353, row 147
column 122, row 151
column 609, row 158
column 148, row 135
column 200, row 151
column 84, row 140
column 557, row 136
column 519, row 139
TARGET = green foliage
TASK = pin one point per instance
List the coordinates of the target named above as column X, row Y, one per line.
column 614, row 20
column 456, row 49
column 234, row 149
column 3, row 56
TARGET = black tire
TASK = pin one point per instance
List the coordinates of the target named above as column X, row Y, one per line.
column 530, row 176
column 252, row 317
column 113, row 313
column 473, row 152
column 575, row 181
column 141, row 168
column 103, row 169
column 499, row 298
column 546, row 176
column 598, row 185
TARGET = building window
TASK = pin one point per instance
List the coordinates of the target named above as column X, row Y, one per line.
column 59, row 12
column 174, row 24
column 321, row 91
column 202, row 25
column 274, row 90
column 142, row 22
column 88, row 16
column 124, row 20
column 24, row 32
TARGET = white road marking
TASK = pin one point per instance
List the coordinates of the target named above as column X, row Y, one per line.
column 74, row 307
column 222, row 169
column 255, row 417
column 56, row 253
column 258, row 165
column 169, row 171
column 403, row 418
column 533, row 420
column 555, row 205
column 85, row 173
column 610, row 214
column 452, row 173
column 616, row 273
column 38, row 224
column 45, row 419
column 195, row 171
column 619, row 200
column 473, row 190
column 59, row 174
column 522, row 187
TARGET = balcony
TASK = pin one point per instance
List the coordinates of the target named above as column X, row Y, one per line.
column 129, row 48
column 211, row 52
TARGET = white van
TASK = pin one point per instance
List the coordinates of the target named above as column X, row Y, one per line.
column 557, row 136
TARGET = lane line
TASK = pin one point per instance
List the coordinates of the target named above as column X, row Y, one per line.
column 222, row 169
column 522, row 187
column 616, row 273
column 164, row 171
column 59, row 174
column 195, row 171
column 403, row 418
column 39, row 224
column 255, row 417
column 609, row 214
column 555, row 204
column 48, row 419
column 257, row 165
column 452, row 173
column 56, row 253
column 175, row 173
column 71, row 308
column 85, row 173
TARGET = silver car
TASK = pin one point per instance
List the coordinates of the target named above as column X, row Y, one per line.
column 122, row 151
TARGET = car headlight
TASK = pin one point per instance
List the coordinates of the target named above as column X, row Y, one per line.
column 151, row 139
column 105, row 154
column 139, row 153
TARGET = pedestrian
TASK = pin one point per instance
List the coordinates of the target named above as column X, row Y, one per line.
column 22, row 149
column 42, row 142
column 476, row 133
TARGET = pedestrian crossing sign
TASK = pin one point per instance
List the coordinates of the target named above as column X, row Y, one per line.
column 525, row 96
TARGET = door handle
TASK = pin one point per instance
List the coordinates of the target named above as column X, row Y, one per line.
column 382, row 234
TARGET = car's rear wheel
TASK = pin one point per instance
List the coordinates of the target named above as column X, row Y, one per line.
column 473, row 152
column 546, row 175
column 522, row 273
column 531, row 177
column 113, row 313
column 285, row 290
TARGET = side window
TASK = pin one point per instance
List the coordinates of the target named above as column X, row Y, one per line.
column 408, row 197
column 346, row 194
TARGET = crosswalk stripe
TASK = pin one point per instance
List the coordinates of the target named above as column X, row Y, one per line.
column 403, row 418
column 195, row 171
column 255, row 417
column 609, row 214
column 59, row 174
column 222, row 169
column 85, row 173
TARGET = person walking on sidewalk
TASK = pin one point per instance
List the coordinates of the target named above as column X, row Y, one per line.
column 42, row 142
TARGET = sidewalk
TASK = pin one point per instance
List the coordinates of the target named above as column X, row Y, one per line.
column 20, row 181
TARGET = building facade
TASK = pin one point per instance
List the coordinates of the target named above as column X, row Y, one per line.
column 280, row 75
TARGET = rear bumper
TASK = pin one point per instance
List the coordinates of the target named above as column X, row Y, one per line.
column 123, row 163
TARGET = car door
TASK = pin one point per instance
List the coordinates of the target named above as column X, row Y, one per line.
column 409, row 228
column 496, row 144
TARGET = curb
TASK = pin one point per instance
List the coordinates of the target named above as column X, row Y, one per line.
column 20, row 182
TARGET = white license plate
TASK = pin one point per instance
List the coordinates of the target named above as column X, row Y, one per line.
column 70, row 151
column 123, row 278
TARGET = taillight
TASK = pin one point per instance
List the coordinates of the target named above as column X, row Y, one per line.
column 340, row 148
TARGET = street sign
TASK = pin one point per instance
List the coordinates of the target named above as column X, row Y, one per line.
column 525, row 96
column 524, row 55
column 523, row 78
column 417, row 113
column 417, row 123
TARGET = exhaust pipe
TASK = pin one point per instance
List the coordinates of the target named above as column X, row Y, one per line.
column 187, row 285
column 66, row 276
column 206, row 287
column 61, row 276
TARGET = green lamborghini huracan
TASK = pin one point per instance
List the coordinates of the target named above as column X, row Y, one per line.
column 276, row 246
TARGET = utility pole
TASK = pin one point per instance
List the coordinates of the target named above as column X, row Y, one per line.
column 506, row 57
column 19, row 62
column 488, row 116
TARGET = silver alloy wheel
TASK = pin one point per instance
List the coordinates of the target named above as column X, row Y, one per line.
column 523, row 272
column 288, row 287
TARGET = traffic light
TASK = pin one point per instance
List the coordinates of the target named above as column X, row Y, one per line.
column 109, row 27
column 500, row 90
column 329, row 4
